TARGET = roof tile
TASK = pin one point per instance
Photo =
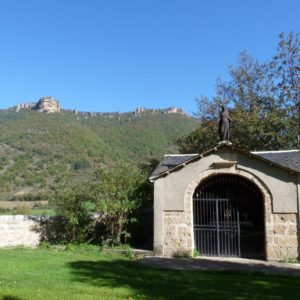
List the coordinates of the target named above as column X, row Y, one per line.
column 286, row 159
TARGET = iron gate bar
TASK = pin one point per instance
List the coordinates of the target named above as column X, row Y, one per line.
column 218, row 226
column 217, row 219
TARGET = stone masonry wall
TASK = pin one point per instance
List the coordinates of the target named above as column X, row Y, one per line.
column 282, row 237
column 178, row 231
column 18, row 231
column 281, row 233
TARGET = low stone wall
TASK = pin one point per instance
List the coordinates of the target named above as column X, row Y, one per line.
column 16, row 204
column 18, row 230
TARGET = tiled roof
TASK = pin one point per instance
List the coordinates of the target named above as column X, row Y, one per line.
column 170, row 161
column 286, row 159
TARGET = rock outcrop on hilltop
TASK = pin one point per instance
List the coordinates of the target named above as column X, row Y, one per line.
column 51, row 105
column 48, row 105
column 175, row 110
column 22, row 106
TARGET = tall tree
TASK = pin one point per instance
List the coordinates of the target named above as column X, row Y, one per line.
column 287, row 73
column 263, row 99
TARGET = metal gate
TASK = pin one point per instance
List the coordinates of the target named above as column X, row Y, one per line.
column 216, row 227
column 217, row 207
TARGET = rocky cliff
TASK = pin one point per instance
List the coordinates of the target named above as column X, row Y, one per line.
column 48, row 105
column 51, row 105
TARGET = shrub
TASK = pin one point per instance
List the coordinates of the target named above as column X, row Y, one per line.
column 117, row 195
column 72, row 203
column 81, row 164
column 5, row 210
column 22, row 210
column 100, row 210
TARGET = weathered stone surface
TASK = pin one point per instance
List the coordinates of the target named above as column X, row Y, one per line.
column 48, row 105
column 175, row 110
column 22, row 106
column 281, row 236
column 283, row 218
column 18, row 231
column 281, row 231
column 178, row 232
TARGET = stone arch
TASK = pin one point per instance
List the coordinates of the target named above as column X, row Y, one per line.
column 266, row 195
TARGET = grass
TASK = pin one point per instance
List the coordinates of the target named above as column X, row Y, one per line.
column 90, row 274
column 43, row 211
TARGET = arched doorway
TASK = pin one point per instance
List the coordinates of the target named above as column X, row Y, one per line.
column 228, row 213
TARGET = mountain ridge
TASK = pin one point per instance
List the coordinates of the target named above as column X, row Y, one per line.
column 37, row 148
column 54, row 106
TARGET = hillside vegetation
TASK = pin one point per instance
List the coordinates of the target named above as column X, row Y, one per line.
column 38, row 148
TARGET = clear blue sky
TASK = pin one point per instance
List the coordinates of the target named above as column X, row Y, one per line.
column 115, row 55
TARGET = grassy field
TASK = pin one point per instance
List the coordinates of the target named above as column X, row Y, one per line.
column 90, row 274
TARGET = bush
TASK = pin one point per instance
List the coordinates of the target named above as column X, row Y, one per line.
column 100, row 211
column 117, row 196
column 81, row 164
column 5, row 210
column 22, row 210
column 73, row 205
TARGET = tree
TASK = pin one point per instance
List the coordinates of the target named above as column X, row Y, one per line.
column 286, row 65
column 201, row 139
column 262, row 100
column 74, row 203
column 117, row 195
column 101, row 209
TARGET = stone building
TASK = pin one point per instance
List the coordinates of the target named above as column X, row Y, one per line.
column 228, row 202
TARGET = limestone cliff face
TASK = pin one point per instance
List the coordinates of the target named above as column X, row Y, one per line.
column 22, row 106
column 48, row 105
column 175, row 110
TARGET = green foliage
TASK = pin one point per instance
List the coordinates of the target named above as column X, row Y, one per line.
column 263, row 101
column 73, row 203
column 3, row 162
column 291, row 260
column 100, row 210
column 182, row 254
column 23, row 210
column 286, row 69
column 118, row 195
column 81, row 164
column 5, row 211
column 201, row 139
column 37, row 149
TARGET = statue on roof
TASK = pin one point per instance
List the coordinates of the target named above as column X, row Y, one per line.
column 224, row 125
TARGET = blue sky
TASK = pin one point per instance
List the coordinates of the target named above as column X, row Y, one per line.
column 116, row 55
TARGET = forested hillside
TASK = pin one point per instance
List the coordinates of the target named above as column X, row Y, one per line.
column 38, row 148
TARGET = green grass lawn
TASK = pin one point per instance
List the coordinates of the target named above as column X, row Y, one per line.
column 90, row 274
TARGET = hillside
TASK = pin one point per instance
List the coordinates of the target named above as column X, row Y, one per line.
column 36, row 148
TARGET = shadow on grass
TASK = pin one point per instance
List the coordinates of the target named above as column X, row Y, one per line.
column 9, row 297
column 179, row 284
